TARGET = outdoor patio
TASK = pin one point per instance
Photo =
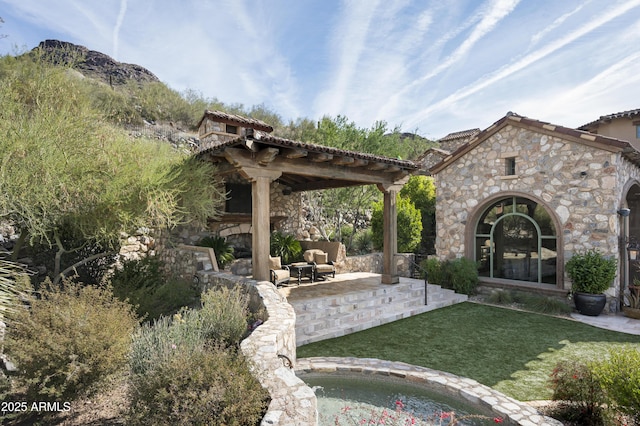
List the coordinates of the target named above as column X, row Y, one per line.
column 357, row 301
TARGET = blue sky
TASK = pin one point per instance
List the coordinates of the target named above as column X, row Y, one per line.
column 431, row 67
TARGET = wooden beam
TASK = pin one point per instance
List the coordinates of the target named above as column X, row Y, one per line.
column 343, row 161
column 320, row 157
column 314, row 170
column 359, row 163
column 377, row 166
column 295, row 153
column 323, row 184
column 267, row 155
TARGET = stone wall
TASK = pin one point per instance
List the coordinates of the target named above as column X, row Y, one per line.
column 578, row 184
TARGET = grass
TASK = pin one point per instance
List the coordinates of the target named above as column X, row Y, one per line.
column 511, row 351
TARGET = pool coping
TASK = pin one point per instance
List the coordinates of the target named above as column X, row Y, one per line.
column 512, row 411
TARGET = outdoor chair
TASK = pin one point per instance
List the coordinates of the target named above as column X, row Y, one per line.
column 280, row 273
column 322, row 265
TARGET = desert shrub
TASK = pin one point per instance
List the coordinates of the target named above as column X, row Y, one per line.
column 546, row 305
column 222, row 249
column 224, row 313
column 198, row 386
column 168, row 299
column 188, row 370
column 363, row 241
column 68, row 340
column 619, row 376
column 143, row 283
column 581, row 395
column 501, row 297
column 134, row 279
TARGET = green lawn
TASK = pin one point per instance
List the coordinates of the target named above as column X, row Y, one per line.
column 511, row 351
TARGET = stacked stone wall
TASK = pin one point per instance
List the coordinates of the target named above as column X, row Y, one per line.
column 578, row 184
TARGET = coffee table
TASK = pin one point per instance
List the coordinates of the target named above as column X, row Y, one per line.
column 302, row 270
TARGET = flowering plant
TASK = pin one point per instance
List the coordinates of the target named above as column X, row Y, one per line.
column 369, row 415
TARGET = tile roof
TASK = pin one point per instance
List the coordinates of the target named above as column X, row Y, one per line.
column 579, row 136
column 460, row 135
column 604, row 118
column 224, row 117
column 287, row 143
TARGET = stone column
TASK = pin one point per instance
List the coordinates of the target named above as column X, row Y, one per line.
column 390, row 233
column 260, row 211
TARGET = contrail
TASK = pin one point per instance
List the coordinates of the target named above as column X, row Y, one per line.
column 116, row 29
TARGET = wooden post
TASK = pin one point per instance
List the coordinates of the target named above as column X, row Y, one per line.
column 260, row 211
column 390, row 232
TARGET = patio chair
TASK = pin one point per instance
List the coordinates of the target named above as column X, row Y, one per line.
column 322, row 265
column 280, row 273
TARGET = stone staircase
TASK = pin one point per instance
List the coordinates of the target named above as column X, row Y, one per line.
column 324, row 317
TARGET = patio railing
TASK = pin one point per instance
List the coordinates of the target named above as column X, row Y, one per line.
column 415, row 267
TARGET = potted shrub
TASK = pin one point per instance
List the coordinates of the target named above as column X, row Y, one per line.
column 591, row 275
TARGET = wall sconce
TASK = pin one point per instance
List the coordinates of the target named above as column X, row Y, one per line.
column 633, row 253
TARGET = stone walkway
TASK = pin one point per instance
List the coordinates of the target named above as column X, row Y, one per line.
column 357, row 301
column 512, row 411
column 618, row 323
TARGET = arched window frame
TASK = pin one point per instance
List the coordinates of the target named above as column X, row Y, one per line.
column 484, row 208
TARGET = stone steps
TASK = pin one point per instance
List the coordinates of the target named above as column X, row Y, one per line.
column 337, row 315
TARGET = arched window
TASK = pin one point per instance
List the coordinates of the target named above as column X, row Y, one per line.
column 515, row 239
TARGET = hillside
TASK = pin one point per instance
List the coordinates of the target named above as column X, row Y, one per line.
column 93, row 64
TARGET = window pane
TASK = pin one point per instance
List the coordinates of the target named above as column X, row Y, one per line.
column 549, row 260
column 516, row 249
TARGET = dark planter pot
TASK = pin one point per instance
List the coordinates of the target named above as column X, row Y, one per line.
column 589, row 304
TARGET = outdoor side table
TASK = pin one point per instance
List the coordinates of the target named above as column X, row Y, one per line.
column 303, row 270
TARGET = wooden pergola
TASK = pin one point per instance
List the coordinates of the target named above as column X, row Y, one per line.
column 262, row 159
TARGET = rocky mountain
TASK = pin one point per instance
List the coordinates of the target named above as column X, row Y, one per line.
column 94, row 64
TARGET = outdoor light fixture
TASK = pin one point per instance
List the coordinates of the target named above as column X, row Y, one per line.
column 633, row 253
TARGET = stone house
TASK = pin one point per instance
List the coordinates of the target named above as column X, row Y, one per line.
column 522, row 196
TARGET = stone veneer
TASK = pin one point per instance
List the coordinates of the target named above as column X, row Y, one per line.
column 581, row 186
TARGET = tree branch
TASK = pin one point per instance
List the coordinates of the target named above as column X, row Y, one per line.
column 80, row 263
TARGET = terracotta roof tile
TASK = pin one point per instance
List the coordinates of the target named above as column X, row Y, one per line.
column 604, row 118
column 287, row 143
column 251, row 123
column 460, row 135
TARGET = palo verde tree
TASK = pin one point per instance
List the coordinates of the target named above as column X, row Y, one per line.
column 65, row 171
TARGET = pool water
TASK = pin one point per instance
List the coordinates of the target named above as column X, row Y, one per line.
column 354, row 399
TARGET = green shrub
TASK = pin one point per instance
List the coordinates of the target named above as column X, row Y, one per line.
column 168, row 299
column 285, row 246
column 500, row 297
column 619, row 376
column 223, row 316
column 143, row 283
column 433, row 269
column 591, row 272
column 222, row 249
column 409, row 223
column 135, row 279
column 201, row 386
column 460, row 274
column 363, row 241
column 579, row 391
column 187, row 370
column 68, row 340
